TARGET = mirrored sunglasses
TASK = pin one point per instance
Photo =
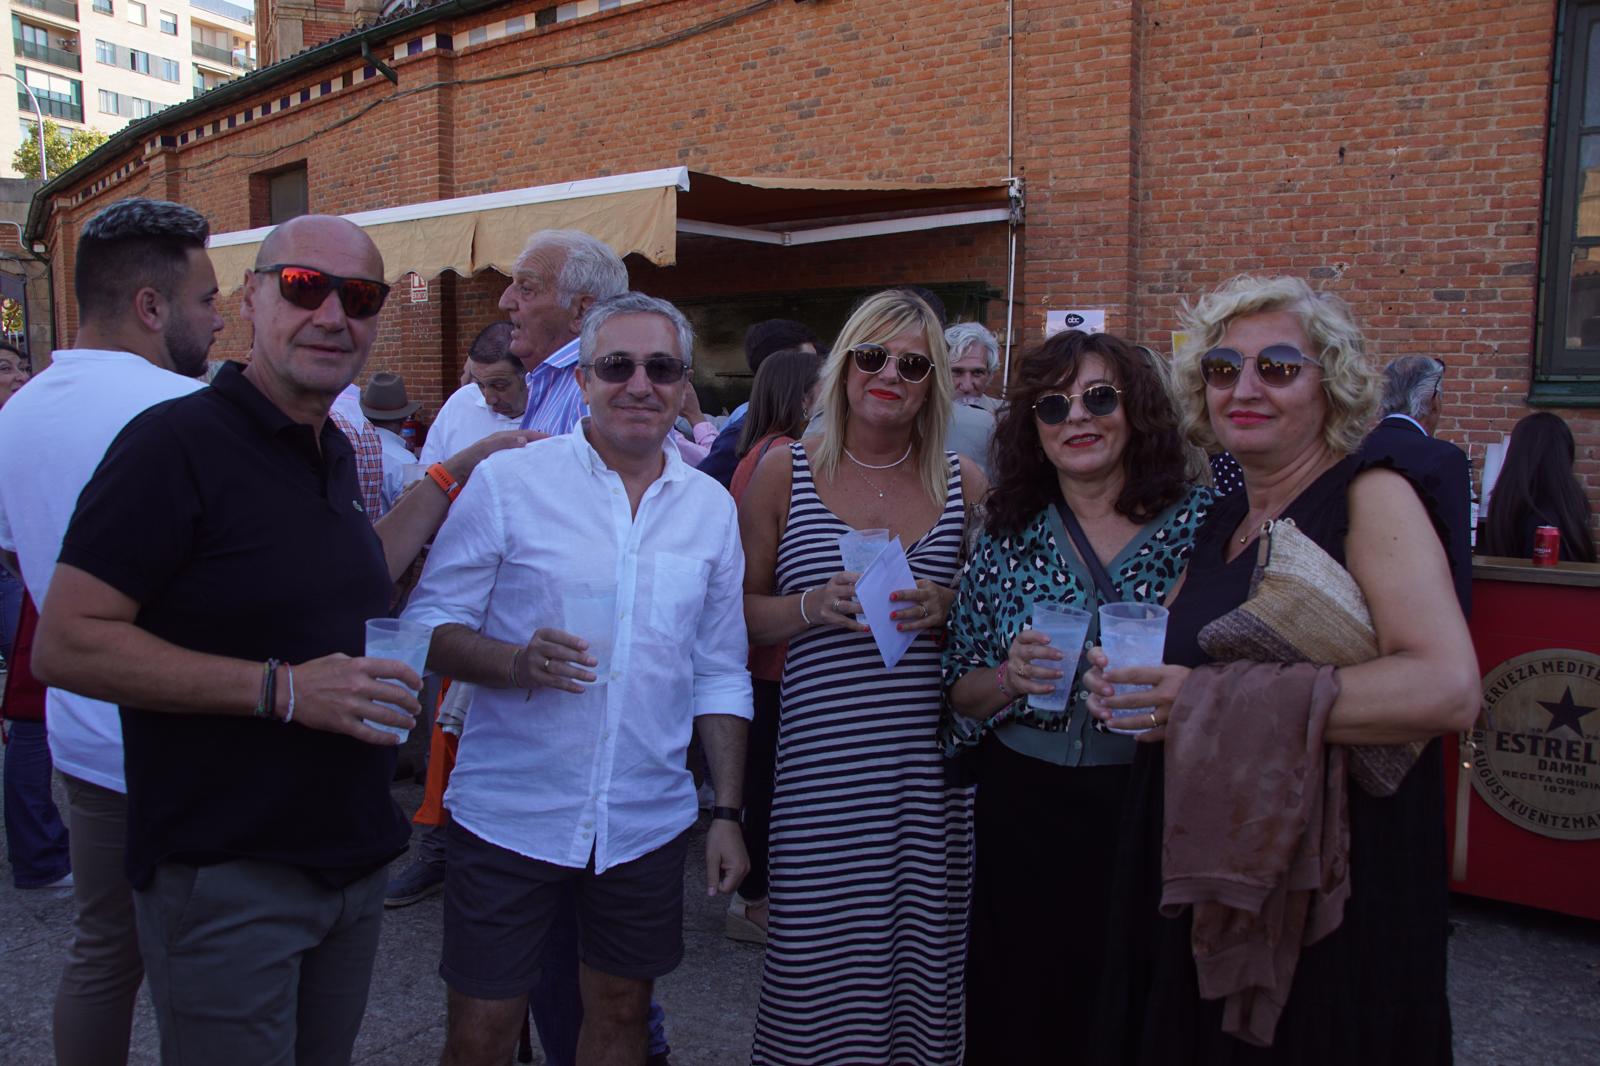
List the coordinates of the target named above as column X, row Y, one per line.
column 912, row 366
column 1053, row 408
column 307, row 288
column 661, row 369
column 1277, row 365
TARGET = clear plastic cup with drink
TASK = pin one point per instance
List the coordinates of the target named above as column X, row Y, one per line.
column 590, row 612
column 395, row 638
column 1132, row 634
column 857, row 550
column 1066, row 627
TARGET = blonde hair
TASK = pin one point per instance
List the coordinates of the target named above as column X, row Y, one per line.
column 1350, row 384
column 878, row 319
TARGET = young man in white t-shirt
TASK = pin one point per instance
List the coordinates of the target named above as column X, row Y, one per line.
column 146, row 295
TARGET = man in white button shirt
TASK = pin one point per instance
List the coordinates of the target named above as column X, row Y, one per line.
column 571, row 771
column 146, row 295
column 493, row 398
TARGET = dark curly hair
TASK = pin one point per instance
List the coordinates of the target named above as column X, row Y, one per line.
column 1154, row 461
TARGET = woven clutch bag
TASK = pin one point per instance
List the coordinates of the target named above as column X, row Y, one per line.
column 1306, row 608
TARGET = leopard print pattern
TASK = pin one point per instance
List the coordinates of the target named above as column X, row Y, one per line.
column 1005, row 576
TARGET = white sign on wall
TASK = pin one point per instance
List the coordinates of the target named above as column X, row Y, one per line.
column 419, row 289
column 1087, row 321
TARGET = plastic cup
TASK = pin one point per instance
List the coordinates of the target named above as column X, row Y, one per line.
column 1066, row 627
column 857, row 550
column 590, row 612
column 395, row 638
column 859, row 547
column 1132, row 634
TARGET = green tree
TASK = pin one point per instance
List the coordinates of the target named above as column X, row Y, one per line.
column 63, row 148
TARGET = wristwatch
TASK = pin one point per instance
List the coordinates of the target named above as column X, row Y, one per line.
column 727, row 814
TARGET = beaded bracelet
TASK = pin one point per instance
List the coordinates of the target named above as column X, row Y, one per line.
column 1000, row 679
column 264, row 701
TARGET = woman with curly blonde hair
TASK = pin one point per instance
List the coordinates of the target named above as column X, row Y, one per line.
column 1274, row 373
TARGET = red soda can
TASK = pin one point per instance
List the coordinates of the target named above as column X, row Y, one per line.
column 1546, row 546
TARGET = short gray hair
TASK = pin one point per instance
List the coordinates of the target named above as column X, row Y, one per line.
column 633, row 303
column 1409, row 385
column 588, row 268
column 964, row 334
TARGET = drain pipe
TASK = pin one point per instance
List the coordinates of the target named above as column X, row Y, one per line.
column 1016, row 190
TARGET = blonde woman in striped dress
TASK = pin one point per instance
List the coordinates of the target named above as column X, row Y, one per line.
column 871, row 849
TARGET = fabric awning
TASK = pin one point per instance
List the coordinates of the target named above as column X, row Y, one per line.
column 643, row 213
column 630, row 212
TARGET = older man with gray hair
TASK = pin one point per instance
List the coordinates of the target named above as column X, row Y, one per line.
column 974, row 356
column 592, row 589
column 1404, row 439
column 560, row 274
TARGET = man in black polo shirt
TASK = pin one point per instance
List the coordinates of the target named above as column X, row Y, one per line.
column 215, row 582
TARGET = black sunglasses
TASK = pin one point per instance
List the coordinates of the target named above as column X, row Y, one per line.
column 1277, row 365
column 660, row 368
column 913, row 366
column 1052, row 409
column 308, row 287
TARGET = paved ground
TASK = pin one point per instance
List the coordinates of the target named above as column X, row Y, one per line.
column 1525, row 986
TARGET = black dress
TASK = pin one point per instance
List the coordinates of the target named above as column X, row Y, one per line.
column 1372, row 992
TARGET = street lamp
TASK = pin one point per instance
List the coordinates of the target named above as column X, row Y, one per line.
column 44, row 168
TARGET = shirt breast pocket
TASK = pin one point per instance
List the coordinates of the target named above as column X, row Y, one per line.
column 677, row 594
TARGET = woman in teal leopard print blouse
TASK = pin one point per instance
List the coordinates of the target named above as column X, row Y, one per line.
column 1089, row 424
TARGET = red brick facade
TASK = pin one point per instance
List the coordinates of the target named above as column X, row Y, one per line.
column 1393, row 153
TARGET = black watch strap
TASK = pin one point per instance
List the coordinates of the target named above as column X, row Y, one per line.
column 727, row 814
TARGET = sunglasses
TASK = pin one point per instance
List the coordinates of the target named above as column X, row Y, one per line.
column 307, row 288
column 1277, row 366
column 913, row 366
column 1054, row 408
column 660, row 369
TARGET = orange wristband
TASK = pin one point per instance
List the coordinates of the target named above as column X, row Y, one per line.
column 442, row 478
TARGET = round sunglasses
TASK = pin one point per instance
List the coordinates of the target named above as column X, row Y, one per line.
column 307, row 287
column 1277, row 365
column 1053, row 408
column 913, row 366
column 661, row 369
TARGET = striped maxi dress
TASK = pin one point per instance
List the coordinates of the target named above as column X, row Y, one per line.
column 871, row 862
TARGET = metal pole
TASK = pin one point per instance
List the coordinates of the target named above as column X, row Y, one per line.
column 44, row 166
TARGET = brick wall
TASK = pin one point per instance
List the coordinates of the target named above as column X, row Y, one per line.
column 1391, row 153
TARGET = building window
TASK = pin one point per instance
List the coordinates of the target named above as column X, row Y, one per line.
column 1568, row 347
column 136, row 13
column 278, row 195
column 105, row 52
column 167, row 69
column 124, row 105
column 57, row 97
column 169, row 23
column 103, row 6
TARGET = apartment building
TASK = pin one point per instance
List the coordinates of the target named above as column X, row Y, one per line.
column 97, row 64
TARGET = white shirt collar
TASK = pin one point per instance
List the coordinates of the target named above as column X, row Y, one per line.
column 1408, row 418
column 674, row 469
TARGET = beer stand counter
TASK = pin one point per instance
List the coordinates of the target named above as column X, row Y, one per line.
column 1524, row 812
